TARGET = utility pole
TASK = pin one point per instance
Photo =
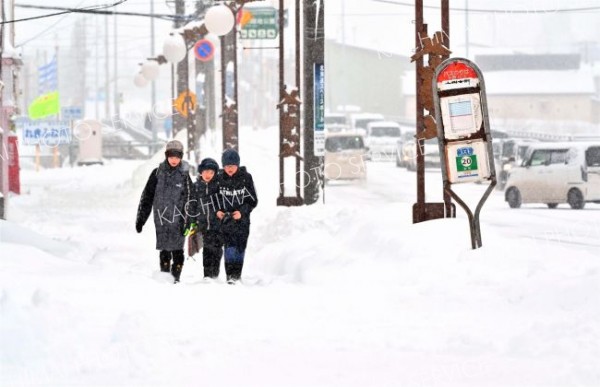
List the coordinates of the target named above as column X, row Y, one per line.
column 314, row 55
column 179, row 122
column 466, row 28
column 4, row 127
column 204, row 105
column 116, row 71
column 96, row 68
column 290, row 101
column 106, row 72
column 9, row 63
column 153, row 83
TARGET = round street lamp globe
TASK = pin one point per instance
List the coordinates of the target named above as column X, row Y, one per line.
column 139, row 80
column 219, row 20
column 150, row 70
column 174, row 48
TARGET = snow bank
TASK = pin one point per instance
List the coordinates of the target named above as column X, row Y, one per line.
column 347, row 293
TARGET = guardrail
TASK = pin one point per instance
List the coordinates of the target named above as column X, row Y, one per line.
column 551, row 137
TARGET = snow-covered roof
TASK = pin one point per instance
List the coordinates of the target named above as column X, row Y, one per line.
column 525, row 82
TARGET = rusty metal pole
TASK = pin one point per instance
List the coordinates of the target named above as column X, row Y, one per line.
column 446, row 34
column 281, row 95
column 223, row 41
column 435, row 49
column 179, row 122
column 235, row 80
column 298, row 85
column 420, row 32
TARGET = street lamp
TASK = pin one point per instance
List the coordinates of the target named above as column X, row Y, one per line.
column 150, row 70
column 219, row 20
column 140, row 80
column 174, row 48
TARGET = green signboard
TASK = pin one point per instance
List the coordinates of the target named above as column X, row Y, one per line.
column 262, row 24
column 466, row 160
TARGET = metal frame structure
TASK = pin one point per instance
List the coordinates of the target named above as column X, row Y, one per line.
column 484, row 133
column 437, row 49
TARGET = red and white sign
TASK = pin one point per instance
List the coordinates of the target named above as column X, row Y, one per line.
column 204, row 50
column 457, row 75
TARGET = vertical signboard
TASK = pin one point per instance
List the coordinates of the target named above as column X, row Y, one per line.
column 319, row 109
column 463, row 130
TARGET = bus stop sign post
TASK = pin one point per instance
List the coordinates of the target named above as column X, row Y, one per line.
column 463, row 130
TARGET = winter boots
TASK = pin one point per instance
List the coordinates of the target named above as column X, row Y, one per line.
column 176, row 266
column 211, row 271
column 234, row 271
column 176, row 271
column 234, row 261
column 165, row 261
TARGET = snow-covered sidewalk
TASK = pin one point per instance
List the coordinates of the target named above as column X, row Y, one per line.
column 344, row 294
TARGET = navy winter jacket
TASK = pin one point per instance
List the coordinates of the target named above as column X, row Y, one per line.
column 237, row 194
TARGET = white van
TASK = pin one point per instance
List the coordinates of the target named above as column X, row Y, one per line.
column 345, row 155
column 509, row 155
column 382, row 137
column 555, row 173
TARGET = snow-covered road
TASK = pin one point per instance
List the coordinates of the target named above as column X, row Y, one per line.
column 347, row 293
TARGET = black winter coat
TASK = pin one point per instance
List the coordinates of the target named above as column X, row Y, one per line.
column 237, row 194
column 169, row 192
column 206, row 204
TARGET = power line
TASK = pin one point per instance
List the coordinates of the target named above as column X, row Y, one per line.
column 91, row 9
column 506, row 11
column 47, row 29
column 97, row 11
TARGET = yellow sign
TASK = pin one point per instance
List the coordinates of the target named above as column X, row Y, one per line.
column 185, row 103
column 45, row 105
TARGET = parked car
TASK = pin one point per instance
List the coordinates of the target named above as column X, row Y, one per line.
column 511, row 154
column 555, row 173
column 336, row 128
column 406, row 154
column 345, row 155
column 382, row 137
column 401, row 156
column 336, row 119
column 359, row 121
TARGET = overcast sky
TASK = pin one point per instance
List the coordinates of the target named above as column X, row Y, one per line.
column 389, row 27
column 367, row 23
column 544, row 27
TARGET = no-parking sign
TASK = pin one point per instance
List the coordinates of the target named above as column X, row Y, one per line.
column 204, row 50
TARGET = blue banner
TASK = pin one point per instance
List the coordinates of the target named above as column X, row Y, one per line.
column 319, row 97
column 48, row 77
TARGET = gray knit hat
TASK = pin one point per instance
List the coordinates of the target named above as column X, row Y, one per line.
column 174, row 148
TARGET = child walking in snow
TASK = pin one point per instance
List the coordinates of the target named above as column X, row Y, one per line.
column 206, row 198
column 238, row 199
column 168, row 191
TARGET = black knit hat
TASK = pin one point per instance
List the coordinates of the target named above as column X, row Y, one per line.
column 230, row 157
column 208, row 163
column 174, row 148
